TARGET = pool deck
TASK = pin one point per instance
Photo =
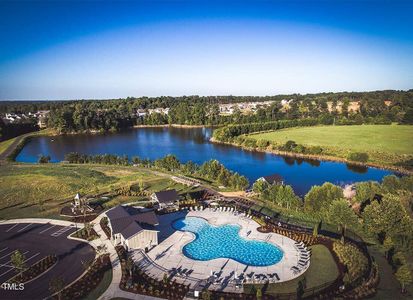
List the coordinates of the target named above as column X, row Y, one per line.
column 168, row 254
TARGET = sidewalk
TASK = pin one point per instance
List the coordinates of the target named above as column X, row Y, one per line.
column 41, row 221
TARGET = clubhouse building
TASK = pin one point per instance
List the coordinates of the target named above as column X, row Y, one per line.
column 133, row 228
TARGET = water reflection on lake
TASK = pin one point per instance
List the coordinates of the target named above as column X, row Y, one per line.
column 193, row 144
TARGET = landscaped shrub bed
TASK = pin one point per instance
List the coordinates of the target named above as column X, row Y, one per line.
column 88, row 235
column 36, row 269
column 137, row 281
column 367, row 288
column 354, row 260
column 104, row 225
column 94, row 275
column 295, row 235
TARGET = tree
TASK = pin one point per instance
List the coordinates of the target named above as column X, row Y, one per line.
column 141, row 185
column 56, row 286
column 260, row 186
column 18, row 261
column 320, row 197
column 259, row 294
column 43, row 159
column 315, row 230
column 404, row 276
column 367, row 190
column 129, row 264
column 206, row 295
column 389, row 218
column 358, row 156
column 388, row 246
column 101, row 250
column 341, row 214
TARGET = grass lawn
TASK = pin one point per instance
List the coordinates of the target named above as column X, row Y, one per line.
column 24, row 186
column 102, row 287
column 5, row 144
column 396, row 139
column 386, row 145
column 322, row 269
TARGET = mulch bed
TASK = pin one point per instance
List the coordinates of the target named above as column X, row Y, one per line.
column 81, row 288
column 36, row 269
column 140, row 283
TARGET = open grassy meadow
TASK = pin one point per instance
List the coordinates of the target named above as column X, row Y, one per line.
column 385, row 144
column 364, row 138
column 25, row 186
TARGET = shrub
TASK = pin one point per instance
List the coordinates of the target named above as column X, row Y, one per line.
column 355, row 261
column 358, row 156
column 262, row 144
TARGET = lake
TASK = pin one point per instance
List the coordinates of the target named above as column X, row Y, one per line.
column 193, row 144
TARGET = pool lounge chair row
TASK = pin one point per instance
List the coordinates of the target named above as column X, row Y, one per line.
column 262, row 278
column 196, row 208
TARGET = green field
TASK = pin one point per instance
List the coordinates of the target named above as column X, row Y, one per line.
column 322, row 269
column 364, row 138
column 386, row 145
column 24, row 186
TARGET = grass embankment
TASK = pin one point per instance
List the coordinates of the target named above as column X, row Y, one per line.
column 322, row 269
column 24, row 187
column 385, row 144
column 8, row 147
column 6, row 144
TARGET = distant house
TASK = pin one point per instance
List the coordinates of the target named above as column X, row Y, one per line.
column 166, row 198
column 141, row 113
column 272, row 179
column 133, row 228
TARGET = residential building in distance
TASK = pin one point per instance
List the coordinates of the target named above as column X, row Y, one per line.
column 272, row 179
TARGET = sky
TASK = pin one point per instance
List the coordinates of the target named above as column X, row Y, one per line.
column 58, row 50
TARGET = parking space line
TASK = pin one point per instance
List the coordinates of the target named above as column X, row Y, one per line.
column 12, row 227
column 24, row 253
column 4, row 249
column 7, row 254
column 12, row 268
column 47, row 229
column 61, row 231
column 24, row 227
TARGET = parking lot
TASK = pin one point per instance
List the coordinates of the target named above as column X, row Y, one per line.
column 36, row 241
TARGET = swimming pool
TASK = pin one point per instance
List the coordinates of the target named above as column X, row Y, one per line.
column 224, row 242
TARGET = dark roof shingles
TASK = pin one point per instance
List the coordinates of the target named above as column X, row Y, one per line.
column 128, row 220
column 167, row 196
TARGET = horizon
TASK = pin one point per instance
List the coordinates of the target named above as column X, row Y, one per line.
column 106, row 50
column 195, row 95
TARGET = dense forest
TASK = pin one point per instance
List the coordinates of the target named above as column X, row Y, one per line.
column 379, row 107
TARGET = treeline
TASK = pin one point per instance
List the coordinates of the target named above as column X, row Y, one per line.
column 228, row 133
column 212, row 170
column 380, row 107
column 11, row 130
column 382, row 211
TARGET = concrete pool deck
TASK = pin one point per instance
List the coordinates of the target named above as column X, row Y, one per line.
column 168, row 254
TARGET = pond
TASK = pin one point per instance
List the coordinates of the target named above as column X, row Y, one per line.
column 193, row 144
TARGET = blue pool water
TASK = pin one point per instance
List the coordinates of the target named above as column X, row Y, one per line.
column 224, row 242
